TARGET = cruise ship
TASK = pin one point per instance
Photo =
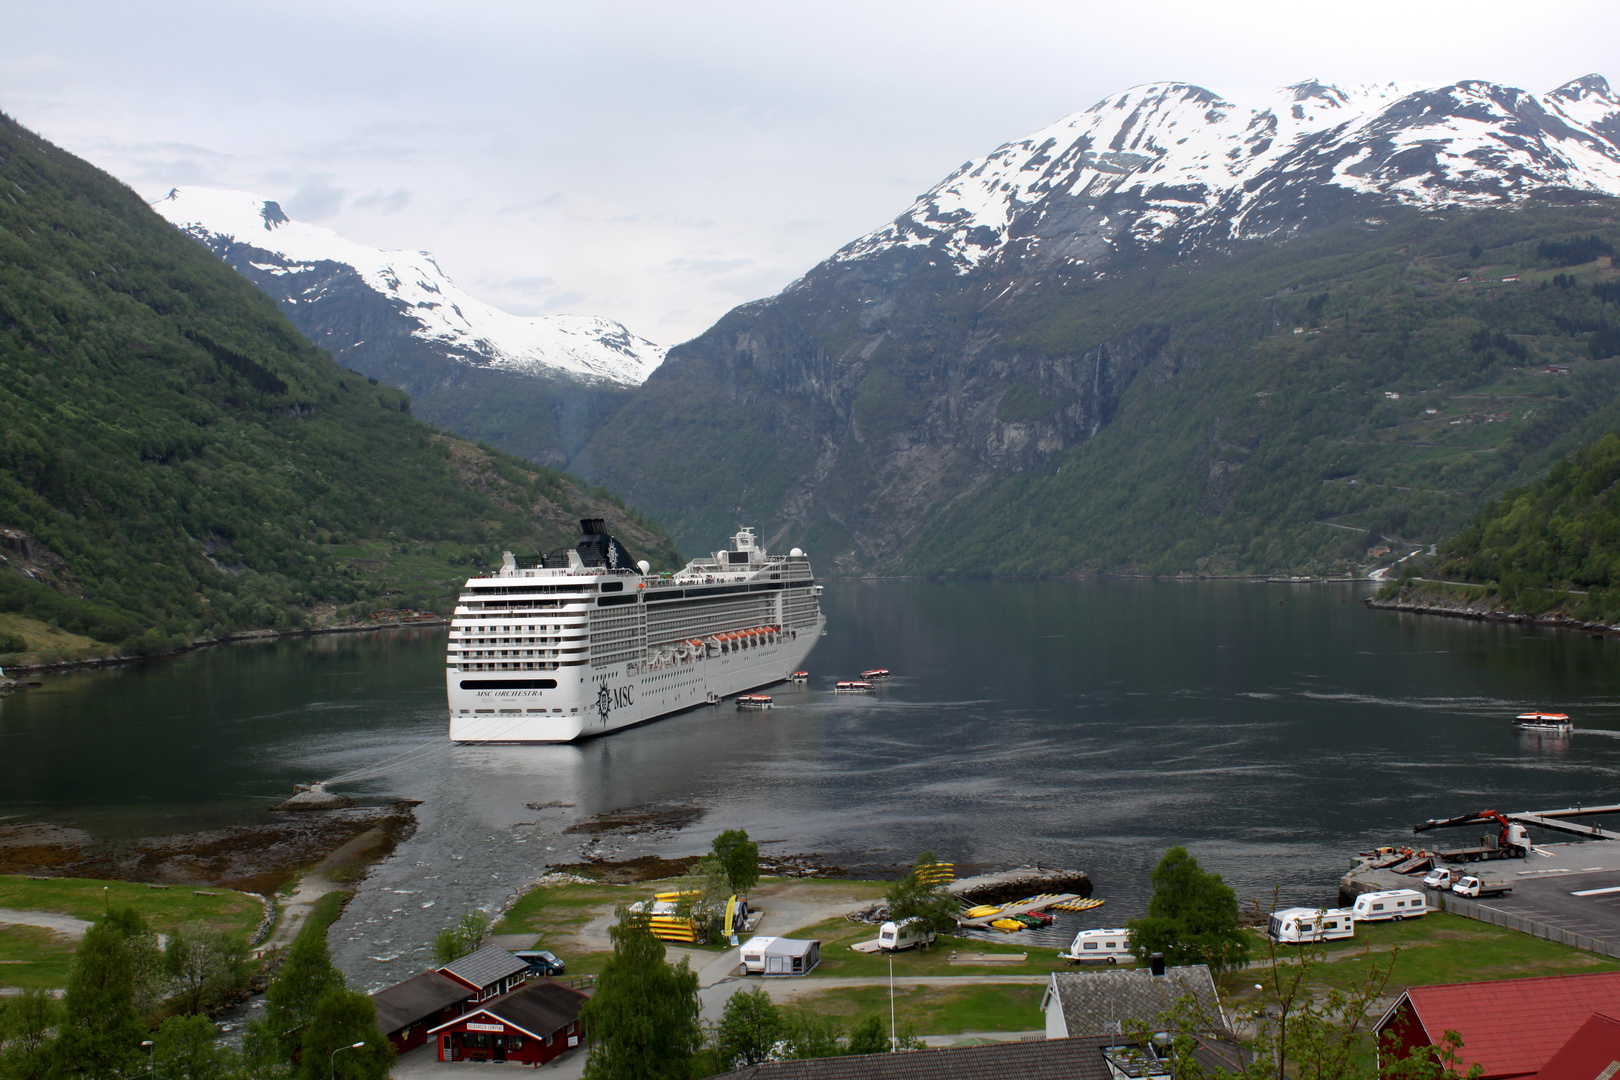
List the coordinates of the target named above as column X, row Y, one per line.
column 584, row 640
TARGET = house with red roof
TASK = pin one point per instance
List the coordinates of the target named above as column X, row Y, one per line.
column 1592, row 1054
column 1511, row 1027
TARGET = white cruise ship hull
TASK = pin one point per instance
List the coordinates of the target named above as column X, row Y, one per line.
column 613, row 699
column 585, row 643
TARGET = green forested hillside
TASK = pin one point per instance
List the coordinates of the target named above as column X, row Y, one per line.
column 177, row 460
column 1537, row 545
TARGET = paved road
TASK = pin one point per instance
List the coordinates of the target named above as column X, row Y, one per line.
column 62, row 924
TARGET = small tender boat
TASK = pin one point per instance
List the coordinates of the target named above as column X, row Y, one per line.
column 1543, row 721
column 799, row 677
column 753, row 701
column 852, row 686
column 875, row 674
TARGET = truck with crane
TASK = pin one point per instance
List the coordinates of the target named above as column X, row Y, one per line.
column 1512, row 840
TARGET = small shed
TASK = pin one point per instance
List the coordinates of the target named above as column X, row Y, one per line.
column 528, row 1026
column 780, row 956
column 405, row 1011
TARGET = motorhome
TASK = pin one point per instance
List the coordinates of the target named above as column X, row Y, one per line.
column 892, row 937
column 1099, row 946
column 1301, row 925
column 1396, row 904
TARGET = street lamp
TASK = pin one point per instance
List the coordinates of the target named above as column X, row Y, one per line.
column 331, row 1063
column 151, row 1056
column 893, row 1038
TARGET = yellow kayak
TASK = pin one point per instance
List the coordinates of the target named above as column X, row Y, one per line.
column 982, row 911
column 1008, row 926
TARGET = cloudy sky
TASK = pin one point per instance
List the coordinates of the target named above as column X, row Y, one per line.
column 661, row 162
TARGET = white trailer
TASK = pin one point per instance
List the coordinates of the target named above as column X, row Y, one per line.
column 892, row 937
column 1396, row 904
column 1301, row 925
column 1099, row 946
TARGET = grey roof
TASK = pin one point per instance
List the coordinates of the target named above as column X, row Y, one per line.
column 422, row 997
column 1051, row 1059
column 1096, row 1003
column 786, row 946
column 488, row 965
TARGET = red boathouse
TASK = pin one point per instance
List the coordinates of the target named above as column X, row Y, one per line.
column 529, row 1026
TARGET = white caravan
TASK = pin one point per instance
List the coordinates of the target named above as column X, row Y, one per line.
column 893, row 937
column 1394, row 904
column 1100, row 946
column 1301, row 925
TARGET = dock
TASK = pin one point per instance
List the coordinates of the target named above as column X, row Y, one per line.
column 1036, row 904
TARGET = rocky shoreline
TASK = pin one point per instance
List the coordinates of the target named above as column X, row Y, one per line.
column 226, row 639
column 1423, row 602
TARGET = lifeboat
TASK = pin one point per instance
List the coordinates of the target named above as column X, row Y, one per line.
column 852, row 686
column 754, row 701
column 875, row 674
column 799, row 677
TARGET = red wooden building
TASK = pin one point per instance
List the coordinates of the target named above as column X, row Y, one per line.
column 405, row 1011
column 530, row 1025
column 1511, row 1027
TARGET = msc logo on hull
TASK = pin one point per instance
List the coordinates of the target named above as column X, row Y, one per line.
column 609, row 699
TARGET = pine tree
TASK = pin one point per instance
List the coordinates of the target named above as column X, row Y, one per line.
column 643, row 1020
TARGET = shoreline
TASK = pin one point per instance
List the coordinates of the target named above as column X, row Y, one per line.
column 228, row 639
column 1458, row 610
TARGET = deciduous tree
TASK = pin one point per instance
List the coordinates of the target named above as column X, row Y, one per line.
column 739, row 856
column 186, row 1048
column 289, row 1001
column 1192, row 917
column 341, row 1018
column 749, row 1028
column 915, row 896
column 643, row 1019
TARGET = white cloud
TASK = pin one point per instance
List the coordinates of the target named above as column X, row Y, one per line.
column 622, row 150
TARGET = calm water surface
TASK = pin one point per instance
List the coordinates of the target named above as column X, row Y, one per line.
column 1273, row 729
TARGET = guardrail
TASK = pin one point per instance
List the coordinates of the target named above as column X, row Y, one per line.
column 1470, row 909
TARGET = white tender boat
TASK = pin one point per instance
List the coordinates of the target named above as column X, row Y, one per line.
column 1543, row 721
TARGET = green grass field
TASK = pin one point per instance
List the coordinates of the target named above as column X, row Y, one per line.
column 32, row 957
column 164, row 909
column 838, row 960
column 935, row 1011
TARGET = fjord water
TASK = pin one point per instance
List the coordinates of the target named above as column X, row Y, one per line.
column 1273, row 729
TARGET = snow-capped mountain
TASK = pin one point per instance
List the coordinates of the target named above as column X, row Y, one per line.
column 312, row 271
column 1179, row 164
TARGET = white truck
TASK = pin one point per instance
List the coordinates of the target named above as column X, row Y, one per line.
column 1300, row 926
column 1474, row 888
column 1396, row 904
column 892, row 937
column 1099, row 946
column 1441, row 877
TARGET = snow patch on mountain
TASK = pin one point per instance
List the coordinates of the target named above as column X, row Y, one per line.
column 1177, row 162
column 579, row 347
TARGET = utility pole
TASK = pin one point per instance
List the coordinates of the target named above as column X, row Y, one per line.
column 894, row 1043
column 151, row 1058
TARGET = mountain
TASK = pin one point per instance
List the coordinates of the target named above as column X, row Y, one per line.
column 178, row 461
column 1179, row 332
column 537, row 386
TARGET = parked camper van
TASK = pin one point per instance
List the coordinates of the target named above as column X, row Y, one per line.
column 1394, row 904
column 1099, row 946
column 1300, row 925
column 892, row 937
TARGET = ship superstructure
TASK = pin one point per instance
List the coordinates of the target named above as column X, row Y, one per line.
column 585, row 640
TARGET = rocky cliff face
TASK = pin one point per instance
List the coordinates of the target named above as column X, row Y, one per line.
column 1010, row 315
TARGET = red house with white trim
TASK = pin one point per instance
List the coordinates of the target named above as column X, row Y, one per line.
column 1512, row 1027
column 530, row 1026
